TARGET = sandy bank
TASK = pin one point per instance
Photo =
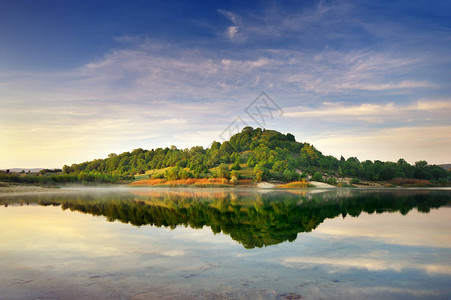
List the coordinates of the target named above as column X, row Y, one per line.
column 322, row 185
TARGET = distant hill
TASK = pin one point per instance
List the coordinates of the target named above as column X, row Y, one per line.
column 257, row 154
column 32, row 170
column 445, row 166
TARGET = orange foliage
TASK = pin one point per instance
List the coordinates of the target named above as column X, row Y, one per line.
column 190, row 181
column 410, row 181
column 149, row 182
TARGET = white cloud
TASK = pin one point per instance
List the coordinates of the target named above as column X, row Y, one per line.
column 389, row 86
column 438, row 105
column 231, row 31
column 388, row 110
column 341, row 110
column 235, row 19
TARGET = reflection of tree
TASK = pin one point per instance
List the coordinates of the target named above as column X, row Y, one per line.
column 254, row 220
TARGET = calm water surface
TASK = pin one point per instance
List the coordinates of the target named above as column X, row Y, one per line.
column 226, row 244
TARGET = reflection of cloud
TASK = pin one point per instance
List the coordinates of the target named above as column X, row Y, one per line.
column 430, row 228
column 77, row 234
column 391, row 239
column 53, row 226
column 204, row 235
column 370, row 291
column 373, row 262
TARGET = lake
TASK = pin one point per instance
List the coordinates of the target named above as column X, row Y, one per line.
column 185, row 243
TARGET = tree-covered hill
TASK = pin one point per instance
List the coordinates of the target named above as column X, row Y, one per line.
column 257, row 154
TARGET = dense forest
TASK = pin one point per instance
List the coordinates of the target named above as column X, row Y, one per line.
column 256, row 154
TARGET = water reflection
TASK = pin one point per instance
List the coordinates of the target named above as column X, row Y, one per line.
column 252, row 218
column 47, row 252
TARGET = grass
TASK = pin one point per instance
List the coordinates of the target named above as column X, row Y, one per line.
column 141, row 176
column 156, row 171
column 295, row 184
column 246, row 172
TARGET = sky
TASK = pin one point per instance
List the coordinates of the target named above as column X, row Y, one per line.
column 82, row 79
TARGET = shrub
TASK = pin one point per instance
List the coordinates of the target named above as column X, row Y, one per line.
column 332, row 180
column 289, row 175
column 317, row 177
column 223, row 171
column 157, row 176
column 355, row 181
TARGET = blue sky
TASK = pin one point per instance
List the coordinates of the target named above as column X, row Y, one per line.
column 81, row 79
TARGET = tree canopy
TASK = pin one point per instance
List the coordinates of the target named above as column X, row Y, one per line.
column 267, row 154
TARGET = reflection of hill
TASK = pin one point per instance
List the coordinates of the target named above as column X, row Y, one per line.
column 251, row 218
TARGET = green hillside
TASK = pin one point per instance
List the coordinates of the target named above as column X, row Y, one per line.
column 256, row 154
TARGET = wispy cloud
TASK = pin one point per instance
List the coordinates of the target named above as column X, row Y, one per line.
column 427, row 108
column 143, row 87
column 203, row 73
column 334, row 70
column 235, row 19
column 389, row 86
column 231, row 31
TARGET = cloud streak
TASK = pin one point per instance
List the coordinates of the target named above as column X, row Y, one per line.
column 336, row 78
column 231, row 31
column 439, row 108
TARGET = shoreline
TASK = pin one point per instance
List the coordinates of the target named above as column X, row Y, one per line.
column 32, row 190
column 19, row 190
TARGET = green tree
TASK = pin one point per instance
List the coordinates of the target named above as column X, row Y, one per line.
column 280, row 166
column 183, row 174
column 251, row 162
column 309, row 155
column 421, row 170
column 223, row 171
column 234, row 177
column 290, row 175
column 237, row 161
column 317, row 176
column 67, row 169
column 172, row 173
column 261, row 173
